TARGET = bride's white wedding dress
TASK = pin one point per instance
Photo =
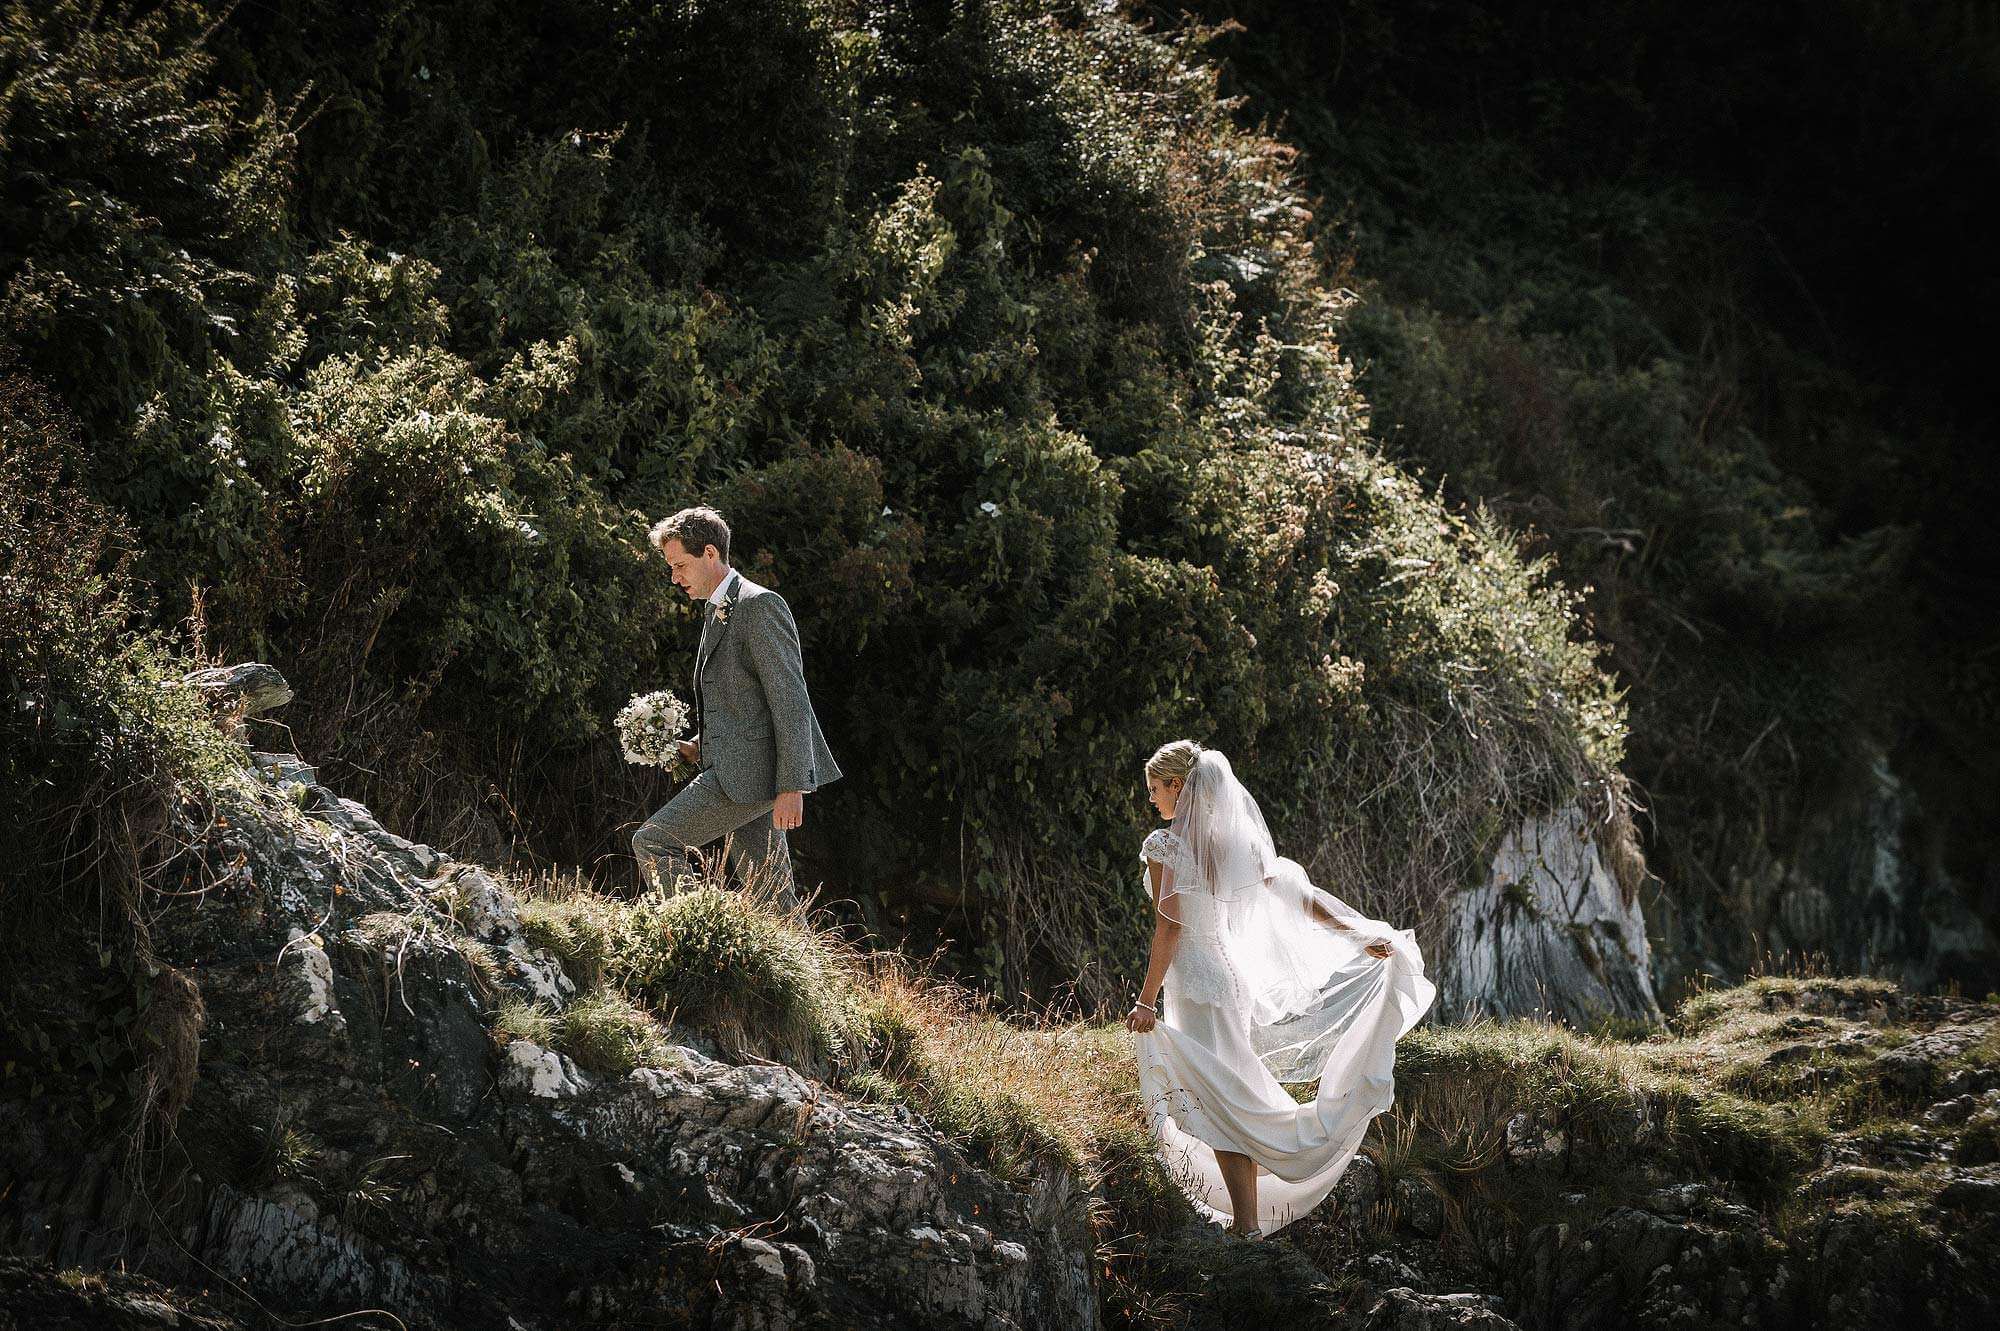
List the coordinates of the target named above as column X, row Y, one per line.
column 1264, row 988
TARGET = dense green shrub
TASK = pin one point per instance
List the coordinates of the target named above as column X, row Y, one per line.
column 98, row 735
column 90, row 701
column 1712, row 569
column 1033, row 408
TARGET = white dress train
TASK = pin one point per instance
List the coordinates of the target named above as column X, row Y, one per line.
column 1209, row 1069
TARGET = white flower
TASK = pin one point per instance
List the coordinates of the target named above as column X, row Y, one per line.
column 1320, row 596
column 990, row 509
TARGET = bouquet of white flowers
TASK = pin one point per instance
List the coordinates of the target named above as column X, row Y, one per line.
column 649, row 728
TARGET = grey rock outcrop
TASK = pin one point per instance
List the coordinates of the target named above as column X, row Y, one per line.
column 1696, row 1254
column 359, row 1138
column 1403, row 1309
column 1550, row 932
column 35, row 1296
column 255, row 687
column 250, row 689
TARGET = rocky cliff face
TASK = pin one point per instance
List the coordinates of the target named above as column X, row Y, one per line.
column 1865, row 891
column 1834, row 1166
column 358, row 1138
column 1863, row 887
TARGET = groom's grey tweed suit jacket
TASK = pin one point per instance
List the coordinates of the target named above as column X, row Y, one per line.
column 758, row 731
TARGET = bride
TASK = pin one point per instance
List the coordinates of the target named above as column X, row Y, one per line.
column 1269, row 980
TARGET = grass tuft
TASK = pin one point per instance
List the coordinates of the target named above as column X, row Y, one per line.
column 763, row 983
column 518, row 1019
column 576, row 928
column 609, row 1035
column 606, row 1033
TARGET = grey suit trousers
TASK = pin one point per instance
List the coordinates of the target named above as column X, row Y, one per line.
column 701, row 813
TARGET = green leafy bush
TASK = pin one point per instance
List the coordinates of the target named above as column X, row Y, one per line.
column 98, row 733
column 1036, row 413
column 91, row 703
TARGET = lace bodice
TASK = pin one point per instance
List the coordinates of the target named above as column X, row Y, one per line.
column 1200, row 971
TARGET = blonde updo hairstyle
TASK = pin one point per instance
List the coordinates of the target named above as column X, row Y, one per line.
column 1173, row 762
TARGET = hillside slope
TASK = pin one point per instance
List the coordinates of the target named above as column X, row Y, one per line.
column 357, row 1078
column 1679, row 295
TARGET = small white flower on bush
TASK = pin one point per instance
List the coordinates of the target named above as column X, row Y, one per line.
column 1319, row 599
column 649, row 726
column 990, row 509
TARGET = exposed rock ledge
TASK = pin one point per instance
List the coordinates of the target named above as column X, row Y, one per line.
column 357, row 1139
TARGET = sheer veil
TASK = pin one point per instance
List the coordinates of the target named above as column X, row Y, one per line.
column 1300, row 951
column 1224, row 832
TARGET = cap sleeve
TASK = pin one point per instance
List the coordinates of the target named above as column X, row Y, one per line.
column 1164, row 848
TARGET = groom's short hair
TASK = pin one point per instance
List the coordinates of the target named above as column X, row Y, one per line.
column 696, row 529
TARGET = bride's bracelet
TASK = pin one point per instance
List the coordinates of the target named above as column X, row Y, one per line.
column 1148, row 1006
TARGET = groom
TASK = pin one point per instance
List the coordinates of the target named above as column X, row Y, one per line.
column 759, row 749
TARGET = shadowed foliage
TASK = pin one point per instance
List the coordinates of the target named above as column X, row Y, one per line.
column 1033, row 407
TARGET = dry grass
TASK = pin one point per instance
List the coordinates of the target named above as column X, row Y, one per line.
column 168, row 1039
column 1056, row 921
column 1022, row 1095
column 1437, row 796
column 392, row 940
column 1032, row 1101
